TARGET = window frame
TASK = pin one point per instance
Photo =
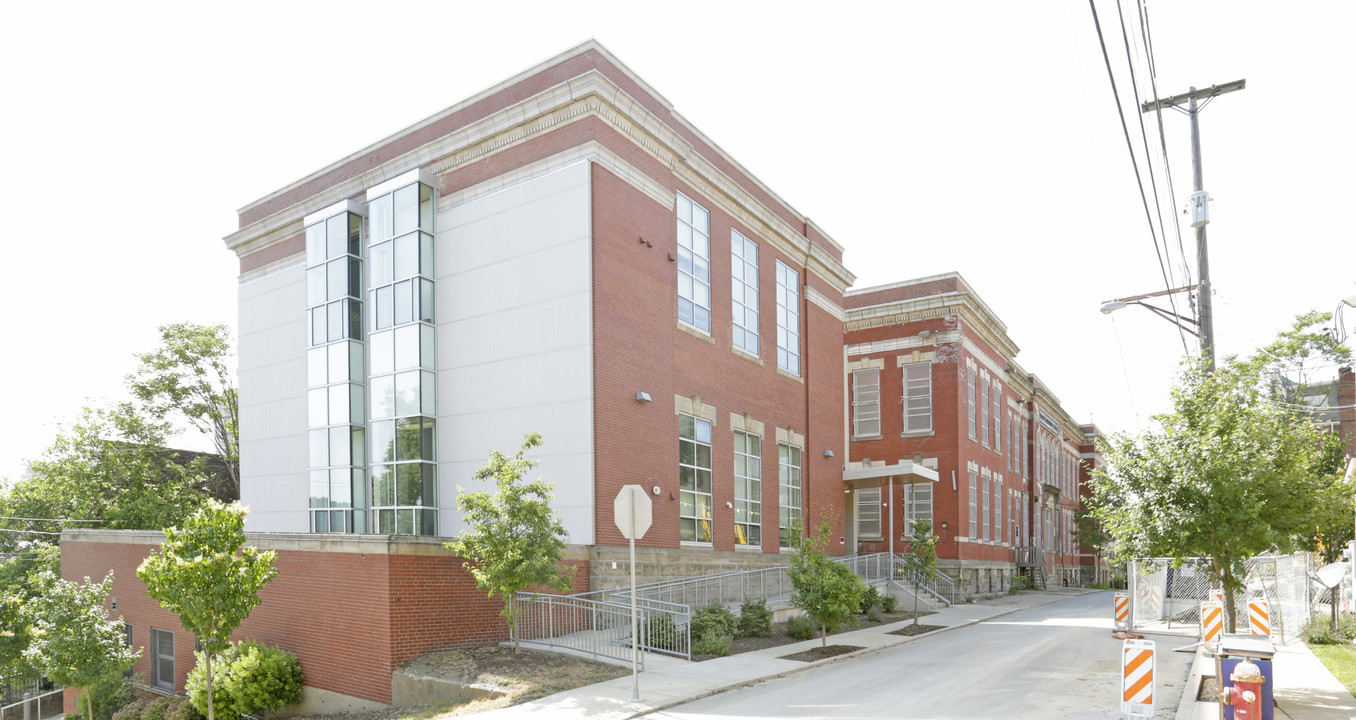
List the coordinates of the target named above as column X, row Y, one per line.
column 741, row 248
column 974, row 504
column 971, row 379
column 869, row 499
column 912, row 414
column 997, row 396
column 693, row 491
column 984, row 413
column 862, row 407
column 788, row 319
column 751, row 483
column 157, row 681
column 688, row 255
column 789, row 482
column 911, row 502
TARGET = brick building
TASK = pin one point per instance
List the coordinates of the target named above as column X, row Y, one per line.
column 934, row 383
column 562, row 253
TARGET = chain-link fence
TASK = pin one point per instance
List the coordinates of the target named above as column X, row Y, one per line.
column 1164, row 599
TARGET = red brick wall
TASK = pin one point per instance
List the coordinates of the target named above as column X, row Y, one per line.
column 905, row 292
column 638, row 347
column 351, row 618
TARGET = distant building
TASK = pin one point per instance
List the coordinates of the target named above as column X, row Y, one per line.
column 934, row 383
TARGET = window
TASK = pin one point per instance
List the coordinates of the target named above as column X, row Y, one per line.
column 748, row 489
column 788, row 319
column 788, row 480
column 917, row 397
column 868, row 513
column 401, row 369
column 127, row 643
column 866, row 403
column 162, row 659
column 694, row 264
column 997, row 418
column 998, row 508
column 694, row 479
column 917, row 505
column 970, row 395
column 1010, row 441
column 984, row 410
column 974, row 504
column 744, row 292
column 334, row 278
column 984, row 511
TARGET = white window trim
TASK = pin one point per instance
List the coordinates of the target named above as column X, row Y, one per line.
column 695, row 325
column 869, row 499
column 791, row 329
column 908, row 415
column 865, row 407
column 740, row 242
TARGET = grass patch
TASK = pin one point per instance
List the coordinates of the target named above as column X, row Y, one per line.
column 1341, row 660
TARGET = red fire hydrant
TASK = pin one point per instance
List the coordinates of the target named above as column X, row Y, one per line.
column 1245, row 695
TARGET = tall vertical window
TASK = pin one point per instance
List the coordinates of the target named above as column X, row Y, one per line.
column 984, row 510
column 788, row 319
column 866, row 403
column 974, row 504
column 402, row 361
column 868, row 513
column 744, row 292
column 694, row 264
column 917, row 397
column 998, row 508
column 127, row 643
column 917, row 505
column 970, row 380
column 694, row 479
column 748, row 488
column 788, row 481
column 336, row 397
column 997, row 418
column 162, row 659
column 984, row 412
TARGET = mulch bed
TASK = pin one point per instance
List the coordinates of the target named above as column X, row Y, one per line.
column 779, row 637
column 917, row 629
column 821, row 652
column 1209, row 691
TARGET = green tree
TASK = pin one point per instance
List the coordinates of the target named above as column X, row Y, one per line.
column 1230, row 472
column 829, row 592
column 204, row 575
column 23, row 577
column 189, row 377
column 1334, row 514
column 72, row 640
column 515, row 539
column 922, row 558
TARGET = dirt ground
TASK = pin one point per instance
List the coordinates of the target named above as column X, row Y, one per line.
column 819, row 653
column 779, row 636
column 521, row 677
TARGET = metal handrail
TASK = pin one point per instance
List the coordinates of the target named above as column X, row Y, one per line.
column 1029, row 556
column 31, row 702
column 940, row 586
column 602, row 628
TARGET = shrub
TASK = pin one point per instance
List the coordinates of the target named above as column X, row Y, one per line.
column 711, row 644
column 1319, row 631
column 110, row 694
column 1346, row 626
column 182, row 709
column 661, row 632
column 156, row 709
column 888, row 602
column 800, row 628
column 714, row 619
column 870, row 599
column 248, row 678
column 873, row 615
column 132, row 710
column 755, row 619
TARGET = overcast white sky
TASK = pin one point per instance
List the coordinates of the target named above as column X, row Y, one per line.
column 924, row 137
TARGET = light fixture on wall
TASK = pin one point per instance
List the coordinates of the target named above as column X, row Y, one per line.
column 828, row 453
column 642, row 397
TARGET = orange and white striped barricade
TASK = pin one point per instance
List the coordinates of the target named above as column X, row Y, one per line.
column 1212, row 622
column 1121, row 616
column 1137, row 678
column 1259, row 616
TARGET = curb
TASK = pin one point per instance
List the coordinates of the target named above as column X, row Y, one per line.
column 826, row 661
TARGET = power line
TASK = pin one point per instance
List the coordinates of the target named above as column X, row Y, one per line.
column 1130, row 146
column 7, row 517
column 29, row 532
column 1163, row 142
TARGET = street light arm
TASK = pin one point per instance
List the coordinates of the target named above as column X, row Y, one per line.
column 1173, row 318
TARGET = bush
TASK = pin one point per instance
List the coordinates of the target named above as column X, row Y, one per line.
column 870, row 600
column 755, row 619
column 156, row 709
column 182, row 709
column 661, row 632
column 710, row 644
column 132, row 710
column 110, row 695
column 888, row 602
column 714, row 619
column 874, row 615
column 1346, row 626
column 1319, row 631
column 248, row 678
column 800, row 628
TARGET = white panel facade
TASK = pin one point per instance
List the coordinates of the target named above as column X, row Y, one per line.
column 515, row 340
column 273, row 462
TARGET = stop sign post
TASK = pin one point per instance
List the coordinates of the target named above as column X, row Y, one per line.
column 633, row 512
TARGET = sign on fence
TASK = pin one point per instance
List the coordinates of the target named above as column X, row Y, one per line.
column 1259, row 616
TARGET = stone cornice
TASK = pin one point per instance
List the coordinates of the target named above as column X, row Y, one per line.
column 967, row 306
column 590, row 94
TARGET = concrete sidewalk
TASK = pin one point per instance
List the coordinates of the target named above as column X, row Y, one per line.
column 1305, row 689
column 668, row 682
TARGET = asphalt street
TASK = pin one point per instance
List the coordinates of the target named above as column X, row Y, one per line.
column 1054, row 661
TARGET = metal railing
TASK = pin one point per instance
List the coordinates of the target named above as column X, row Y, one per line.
column 31, row 707
column 602, row 627
column 941, row 586
column 1030, row 556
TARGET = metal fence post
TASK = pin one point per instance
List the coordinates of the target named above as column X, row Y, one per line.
column 28, row 706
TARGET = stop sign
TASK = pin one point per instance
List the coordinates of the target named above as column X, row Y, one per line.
column 632, row 496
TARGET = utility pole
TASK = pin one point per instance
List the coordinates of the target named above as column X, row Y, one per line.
column 1200, row 200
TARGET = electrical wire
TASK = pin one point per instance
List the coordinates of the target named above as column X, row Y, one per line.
column 29, row 532
column 1130, row 146
column 1125, row 370
column 7, row 517
column 1148, row 37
